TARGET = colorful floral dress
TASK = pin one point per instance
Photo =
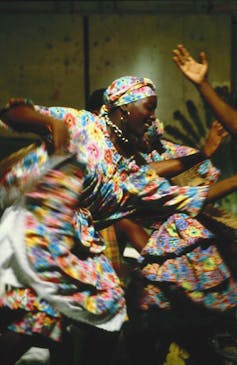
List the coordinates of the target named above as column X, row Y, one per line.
column 64, row 249
column 184, row 254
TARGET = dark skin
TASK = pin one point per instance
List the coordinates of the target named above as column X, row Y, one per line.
column 197, row 73
column 134, row 232
column 142, row 113
column 137, row 117
column 24, row 118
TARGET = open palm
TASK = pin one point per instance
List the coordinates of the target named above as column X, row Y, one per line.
column 192, row 69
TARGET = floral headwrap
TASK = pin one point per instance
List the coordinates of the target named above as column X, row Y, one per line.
column 127, row 89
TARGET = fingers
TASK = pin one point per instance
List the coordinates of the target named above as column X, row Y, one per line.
column 220, row 130
column 60, row 134
column 60, row 150
column 177, row 61
column 183, row 51
column 61, row 143
column 203, row 58
column 216, row 125
column 181, row 55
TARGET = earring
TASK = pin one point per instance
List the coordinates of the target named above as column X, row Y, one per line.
column 125, row 113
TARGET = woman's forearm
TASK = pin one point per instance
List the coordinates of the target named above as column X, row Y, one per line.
column 24, row 118
column 221, row 189
column 224, row 112
column 173, row 167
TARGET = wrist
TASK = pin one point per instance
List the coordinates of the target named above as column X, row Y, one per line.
column 203, row 83
column 204, row 153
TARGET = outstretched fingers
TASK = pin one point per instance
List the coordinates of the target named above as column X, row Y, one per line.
column 181, row 55
column 203, row 58
column 214, row 138
column 193, row 70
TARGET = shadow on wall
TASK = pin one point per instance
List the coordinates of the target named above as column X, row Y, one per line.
column 193, row 132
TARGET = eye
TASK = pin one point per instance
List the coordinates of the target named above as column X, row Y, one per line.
column 150, row 108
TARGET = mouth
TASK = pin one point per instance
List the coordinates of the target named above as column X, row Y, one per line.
column 146, row 126
column 148, row 122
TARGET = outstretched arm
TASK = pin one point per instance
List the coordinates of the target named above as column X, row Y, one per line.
column 221, row 189
column 24, row 118
column 134, row 232
column 173, row 167
column 214, row 138
column 198, row 74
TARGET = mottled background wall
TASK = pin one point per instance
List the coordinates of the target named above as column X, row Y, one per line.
column 57, row 52
column 43, row 53
column 42, row 57
column 143, row 44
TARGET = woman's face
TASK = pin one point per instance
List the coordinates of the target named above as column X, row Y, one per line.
column 142, row 114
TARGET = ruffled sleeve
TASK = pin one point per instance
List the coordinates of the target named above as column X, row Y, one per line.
column 150, row 192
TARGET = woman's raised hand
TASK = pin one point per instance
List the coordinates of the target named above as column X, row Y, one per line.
column 193, row 70
column 214, row 138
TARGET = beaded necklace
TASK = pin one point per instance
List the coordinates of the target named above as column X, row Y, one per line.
column 118, row 132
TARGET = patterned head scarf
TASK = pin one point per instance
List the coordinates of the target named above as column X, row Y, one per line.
column 128, row 89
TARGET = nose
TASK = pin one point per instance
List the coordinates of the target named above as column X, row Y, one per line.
column 153, row 115
column 151, row 118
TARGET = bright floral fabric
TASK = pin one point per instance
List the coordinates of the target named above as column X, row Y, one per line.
column 128, row 89
column 180, row 250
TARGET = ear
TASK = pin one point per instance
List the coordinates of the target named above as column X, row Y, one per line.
column 124, row 107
